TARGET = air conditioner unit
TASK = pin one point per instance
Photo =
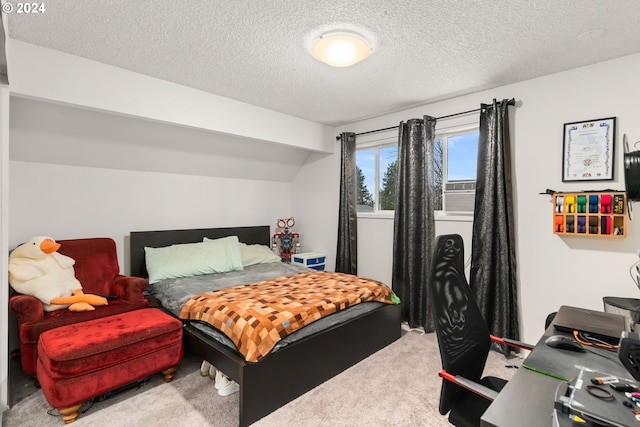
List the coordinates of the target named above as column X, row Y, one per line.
column 459, row 196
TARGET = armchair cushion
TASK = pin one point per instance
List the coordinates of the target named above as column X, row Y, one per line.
column 98, row 271
column 96, row 263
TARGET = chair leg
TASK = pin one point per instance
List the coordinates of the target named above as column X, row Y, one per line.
column 169, row 373
column 70, row 414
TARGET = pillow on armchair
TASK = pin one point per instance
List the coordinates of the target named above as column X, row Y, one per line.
column 97, row 269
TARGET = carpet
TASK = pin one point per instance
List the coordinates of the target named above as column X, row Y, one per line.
column 397, row 386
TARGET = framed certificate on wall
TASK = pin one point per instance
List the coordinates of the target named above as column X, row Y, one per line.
column 589, row 150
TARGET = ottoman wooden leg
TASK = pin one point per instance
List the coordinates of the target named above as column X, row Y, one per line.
column 169, row 373
column 69, row 414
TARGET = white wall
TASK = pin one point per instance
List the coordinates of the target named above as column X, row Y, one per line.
column 73, row 202
column 4, row 244
column 82, row 137
column 553, row 270
column 380, row 232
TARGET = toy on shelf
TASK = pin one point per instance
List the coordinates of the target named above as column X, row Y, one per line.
column 285, row 242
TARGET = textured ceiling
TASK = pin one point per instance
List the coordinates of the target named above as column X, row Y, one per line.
column 257, row 51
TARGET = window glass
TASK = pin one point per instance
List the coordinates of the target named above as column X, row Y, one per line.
column 365, row 179
column 437, row 172
column 387, row 178
column 455, row 159
column 462, row 156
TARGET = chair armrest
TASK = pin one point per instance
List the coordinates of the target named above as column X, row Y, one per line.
column 512, row 343
column 129, row 288
column 27, row 308
column 472, row 386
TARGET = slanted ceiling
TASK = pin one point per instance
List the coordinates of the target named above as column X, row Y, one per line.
column 44, row 132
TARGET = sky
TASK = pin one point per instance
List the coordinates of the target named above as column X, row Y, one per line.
column 462, row 154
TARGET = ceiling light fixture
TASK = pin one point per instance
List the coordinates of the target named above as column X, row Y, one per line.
column 340, row 48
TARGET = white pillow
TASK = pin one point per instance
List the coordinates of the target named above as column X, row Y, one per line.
column 257, row 254
column 192, row 259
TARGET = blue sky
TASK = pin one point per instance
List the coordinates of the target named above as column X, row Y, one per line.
column 462, row 152
column 463, row 157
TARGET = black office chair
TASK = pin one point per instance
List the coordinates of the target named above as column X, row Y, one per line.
column 463, row 338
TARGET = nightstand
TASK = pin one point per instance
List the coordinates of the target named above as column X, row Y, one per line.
column 314, row 260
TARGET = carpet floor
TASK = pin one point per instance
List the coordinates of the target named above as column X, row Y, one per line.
column 397, row 386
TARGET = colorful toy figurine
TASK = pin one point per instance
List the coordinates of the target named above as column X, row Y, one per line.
column 285, row 241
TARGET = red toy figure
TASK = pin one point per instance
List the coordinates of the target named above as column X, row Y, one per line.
column 285, row 241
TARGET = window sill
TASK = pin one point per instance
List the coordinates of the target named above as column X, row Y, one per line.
column 376, row 215
column 454, row 216
column 438, row 216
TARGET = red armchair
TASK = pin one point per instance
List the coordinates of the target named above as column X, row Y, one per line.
column 98, row 270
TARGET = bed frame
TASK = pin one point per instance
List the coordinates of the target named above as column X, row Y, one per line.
column 293, row 370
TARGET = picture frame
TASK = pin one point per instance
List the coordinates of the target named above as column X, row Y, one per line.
column 589, row 150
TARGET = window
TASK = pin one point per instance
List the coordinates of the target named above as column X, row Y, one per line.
column 456, row 154
column 376, row 178
column 458, row 178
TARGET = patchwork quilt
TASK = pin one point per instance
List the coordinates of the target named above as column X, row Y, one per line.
column 256, row 316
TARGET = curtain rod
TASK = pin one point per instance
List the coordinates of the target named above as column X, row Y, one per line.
column 512, row 101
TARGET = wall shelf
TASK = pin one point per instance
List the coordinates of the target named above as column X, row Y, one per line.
column 590, row 214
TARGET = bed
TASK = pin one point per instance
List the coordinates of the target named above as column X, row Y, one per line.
column 293, row 369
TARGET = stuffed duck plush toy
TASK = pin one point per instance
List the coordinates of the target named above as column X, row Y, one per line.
column 36, row 269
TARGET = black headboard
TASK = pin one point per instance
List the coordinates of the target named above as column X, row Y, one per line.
column 139, row 239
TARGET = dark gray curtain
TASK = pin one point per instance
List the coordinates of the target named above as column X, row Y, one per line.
column 347, row 251
column 493, row 259
column 414, row 229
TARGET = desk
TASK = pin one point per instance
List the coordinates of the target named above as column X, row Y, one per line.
column 528, row 398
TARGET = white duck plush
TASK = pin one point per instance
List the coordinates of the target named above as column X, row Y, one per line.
column 36, row 269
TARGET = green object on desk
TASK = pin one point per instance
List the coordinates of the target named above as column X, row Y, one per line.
column 566, row 365
column 540, row 371
column 556, row 363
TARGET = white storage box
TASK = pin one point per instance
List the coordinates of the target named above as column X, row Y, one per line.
column 313, row 260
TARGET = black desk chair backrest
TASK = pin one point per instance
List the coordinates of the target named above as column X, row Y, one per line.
column 463, row 336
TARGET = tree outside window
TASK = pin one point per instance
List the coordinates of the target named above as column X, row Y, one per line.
column 377, row 170
column 364, row 198
column 388, row 190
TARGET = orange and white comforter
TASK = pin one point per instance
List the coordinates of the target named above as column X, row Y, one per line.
column 256, row 316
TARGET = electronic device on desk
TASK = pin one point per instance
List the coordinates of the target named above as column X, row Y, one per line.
column 564, row 343
column 591, row 324
column 629, row 353
column 596, row 399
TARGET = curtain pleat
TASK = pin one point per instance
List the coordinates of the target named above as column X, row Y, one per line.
column 493, row 260
column 414, row 229
column 347, row 250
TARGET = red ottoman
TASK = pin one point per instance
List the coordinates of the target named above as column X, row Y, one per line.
column 84, row 360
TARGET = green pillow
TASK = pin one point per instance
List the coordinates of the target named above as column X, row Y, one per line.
column 192, row 259
column 254, row 254
column 257, row 254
